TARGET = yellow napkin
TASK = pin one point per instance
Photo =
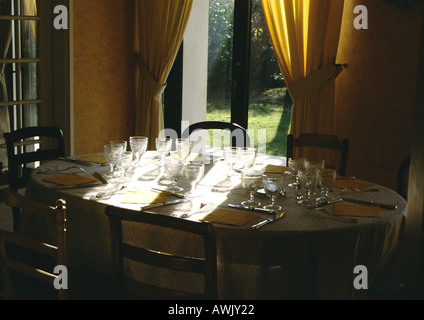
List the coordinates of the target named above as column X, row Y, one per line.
column 351, row 184
column 357, row 210
column 275, row 169
column 138, row 197
column 71, row 179
column 194, row 157
column 93, row 158
column 230, row 217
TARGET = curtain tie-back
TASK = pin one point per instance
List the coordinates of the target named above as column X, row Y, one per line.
column 303, row 87
column 154, row 87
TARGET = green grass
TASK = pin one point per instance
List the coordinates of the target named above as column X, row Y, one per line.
column 267, row 113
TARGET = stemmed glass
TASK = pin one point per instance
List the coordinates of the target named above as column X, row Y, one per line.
column 273, row 184
column 138, row 146
column 183, row 146
column 251, row 181
column 327, row 177
column 247, row 156
column 295, row 165
column 308, row 182
column 312, row 164
column 112, row 153
column 194, row 173
column 121, row 143
column 163, row 147
column 125, row 161
column 230, row 156
column 173, row 168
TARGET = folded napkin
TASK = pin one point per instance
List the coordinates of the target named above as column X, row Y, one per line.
column 70, row 179
column 351, row 184
column 357, row 210
column 93, row 158
column 138, row 197
column 230, row 217
column 270, row 168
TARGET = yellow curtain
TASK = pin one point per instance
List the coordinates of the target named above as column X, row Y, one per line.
column 159, row 32
column 305, row 36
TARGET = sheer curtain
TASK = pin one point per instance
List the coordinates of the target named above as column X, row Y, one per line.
column 305, row 35
column 159, row 32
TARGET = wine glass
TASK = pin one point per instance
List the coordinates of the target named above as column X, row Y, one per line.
column 251, row 181
column 308, row 182
column 163, row 147
column 183, row 146
column 125, row 161
column 273, row 184
column 112, row 153
column 313, row 164
column 173, row 169
column 194, row 173
column 247, row 156
column 327, row 177
column 295, row 165
column 230, row 156
column 121, row 143
column 138, row 146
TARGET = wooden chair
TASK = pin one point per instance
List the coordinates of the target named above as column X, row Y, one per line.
column 322, row 141
column 206, row 265
column 402, row 177
column 20, row 255
column 21, row 158
column 239, row 135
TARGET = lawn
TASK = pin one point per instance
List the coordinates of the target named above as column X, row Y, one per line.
column 269, row 119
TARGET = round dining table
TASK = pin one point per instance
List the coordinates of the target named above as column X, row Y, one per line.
column 307, row 254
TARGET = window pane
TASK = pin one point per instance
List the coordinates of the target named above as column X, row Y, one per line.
column 220, row 54
column 29, row 76
column 30, row 115
column 269, row 101
column 29, row 39
column 28, row 7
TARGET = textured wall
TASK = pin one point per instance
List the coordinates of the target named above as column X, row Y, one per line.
column 103, row 72
column 375, row 94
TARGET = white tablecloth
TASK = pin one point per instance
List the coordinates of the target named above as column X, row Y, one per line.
column 305, row 255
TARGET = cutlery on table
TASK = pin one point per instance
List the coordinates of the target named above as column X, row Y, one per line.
column 371, row 203
column 100, row 177
column 241, row 207
column 75, row 161
column 179, row 195
column 356, row 190
column 327, row 203
column 276, row 217
column 167, row 203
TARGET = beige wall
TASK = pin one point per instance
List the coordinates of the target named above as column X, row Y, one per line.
column 103, row 72
column 375, row 94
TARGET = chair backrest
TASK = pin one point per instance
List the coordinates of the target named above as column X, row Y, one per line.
column 205, row 265
column 320, row 141
column 239, row 135
column 21, row 154
column 17, row 249
column 403, row 177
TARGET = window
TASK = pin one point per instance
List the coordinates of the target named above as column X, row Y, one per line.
column 31, row 93
column 234, row 76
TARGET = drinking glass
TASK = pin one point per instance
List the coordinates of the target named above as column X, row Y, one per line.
column 121, row 143
column 313, row 164
column 138, row 146
column 230, row 156
column 173, row 169
column 194, row 173
column 327, row 177
column 125, row 162
column 163, row 147
column 295, row 165
column 247, row 156
column 273, row 184
column 251, row 181
column 112, row 153
column 183, row 146
column 308, row 180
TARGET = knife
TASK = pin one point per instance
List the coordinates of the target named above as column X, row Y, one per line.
column 327, row 203
column 167, row 203
column 371, row 203
column 276, row 217
column 100, row 177
column 237, row 206
column 75, row 161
